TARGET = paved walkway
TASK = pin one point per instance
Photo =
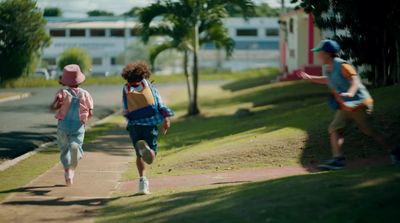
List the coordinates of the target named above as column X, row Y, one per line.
column 46, row 199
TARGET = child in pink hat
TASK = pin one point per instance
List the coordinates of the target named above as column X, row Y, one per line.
column 73, row 107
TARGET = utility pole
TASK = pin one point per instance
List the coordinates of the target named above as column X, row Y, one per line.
column 283, row 8
column 126, row 33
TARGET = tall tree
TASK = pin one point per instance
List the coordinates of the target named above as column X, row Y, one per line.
column 22, row 34
column 52, row 12
column 261, row 10
column 94, row 13
column 195, row 20
column 133, row 12
column 368, row 32
column 179, row 39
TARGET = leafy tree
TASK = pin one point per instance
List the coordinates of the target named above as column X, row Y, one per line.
column 190, row 23
column 133, row 12
column 264, row 10
column 76, row 56
column 261, row 10
column 94, row 13
column 367, row 31
column 52, row 12
column 22, row 35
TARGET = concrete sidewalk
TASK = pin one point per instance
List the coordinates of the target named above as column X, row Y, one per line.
column 11, row 96
column 46, row 199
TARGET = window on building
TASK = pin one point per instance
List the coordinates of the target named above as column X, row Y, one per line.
column 291, row 53
column 97, row 32
column 77, row 32
column 97, row 61
column 134, row 32
column 57, row 32
column 272, row 32
column 117, row 32
column 291, row 25
column 50, row 61
column 113, row 61
column 246, row 32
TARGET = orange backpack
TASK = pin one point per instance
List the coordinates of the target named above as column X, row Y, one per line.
column 140, row 100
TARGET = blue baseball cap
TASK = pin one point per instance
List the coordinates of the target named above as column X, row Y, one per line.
column 329, row 46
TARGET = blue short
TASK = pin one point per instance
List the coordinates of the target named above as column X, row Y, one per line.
column 146, row 133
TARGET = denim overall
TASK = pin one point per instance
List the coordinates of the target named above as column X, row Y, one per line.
column 71, row 131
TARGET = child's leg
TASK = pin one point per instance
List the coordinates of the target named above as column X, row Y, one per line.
column 135, row 137
column 335, row 133
column 337, row 141
column 361, row 119
column 65, row 155
column 76, row 146
column 140, row 166
column 151, row 136
column 63, row 143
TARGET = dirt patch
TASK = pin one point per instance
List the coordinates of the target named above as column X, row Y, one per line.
column 256, row 152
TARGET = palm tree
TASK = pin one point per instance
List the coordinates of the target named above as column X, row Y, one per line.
column 190, row 23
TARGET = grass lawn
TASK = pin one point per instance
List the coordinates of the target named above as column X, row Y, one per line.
column 116, row 79
column 283, row 124
column 361, row 195
column 25, row 171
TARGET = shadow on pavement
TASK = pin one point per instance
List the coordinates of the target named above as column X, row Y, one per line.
column 14, row 144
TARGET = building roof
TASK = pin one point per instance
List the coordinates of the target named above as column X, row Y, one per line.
column 130, row 22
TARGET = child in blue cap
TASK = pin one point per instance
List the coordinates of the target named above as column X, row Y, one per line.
column 351, row 100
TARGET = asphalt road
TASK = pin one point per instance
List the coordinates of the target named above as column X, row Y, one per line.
column 27, row 123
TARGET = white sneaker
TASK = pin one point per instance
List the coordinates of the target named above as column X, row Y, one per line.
column 69, row 177
column 143, row 186
column 145, row 151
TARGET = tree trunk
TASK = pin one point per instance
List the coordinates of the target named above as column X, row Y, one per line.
column 397, row 43
column 384, row 57
column 376, row 75
column 193, row 107
column 187, row 77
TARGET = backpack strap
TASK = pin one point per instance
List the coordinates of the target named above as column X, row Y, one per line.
column 150, row 85
column 71, row 93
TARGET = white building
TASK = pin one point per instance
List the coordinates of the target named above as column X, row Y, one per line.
column 106, row 38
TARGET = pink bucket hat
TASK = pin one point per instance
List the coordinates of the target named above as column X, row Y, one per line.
column 72, row 75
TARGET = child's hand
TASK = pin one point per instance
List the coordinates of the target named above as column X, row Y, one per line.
column 166, row 125
column 56, row 105
column 304, row 76
column 346, row 95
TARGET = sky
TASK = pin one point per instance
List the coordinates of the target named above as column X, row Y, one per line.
column 78, row 8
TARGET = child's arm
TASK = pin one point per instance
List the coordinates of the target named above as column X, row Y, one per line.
column 165, row 111
column 55, row 105
column 124, row 102
column 166, row 125
column 315, row 79
column 351, row 75
column 57, row 102
column 90, row 103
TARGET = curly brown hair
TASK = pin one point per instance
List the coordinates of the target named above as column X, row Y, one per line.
column 136, row 71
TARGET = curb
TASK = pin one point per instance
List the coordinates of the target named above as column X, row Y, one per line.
column 9, row 163
column 16, row 97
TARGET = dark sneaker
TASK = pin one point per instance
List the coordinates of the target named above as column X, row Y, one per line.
column 145, row 151
column 395, row 155
column 336, row 163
